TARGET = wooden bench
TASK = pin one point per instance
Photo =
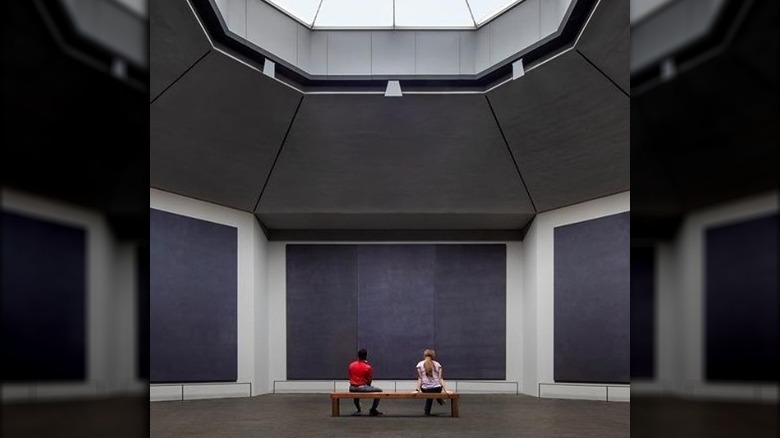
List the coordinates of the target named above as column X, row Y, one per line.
column 336, row 396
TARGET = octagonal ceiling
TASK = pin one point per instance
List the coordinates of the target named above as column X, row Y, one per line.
column 344, row 166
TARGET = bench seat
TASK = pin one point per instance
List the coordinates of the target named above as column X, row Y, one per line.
column 338, row 395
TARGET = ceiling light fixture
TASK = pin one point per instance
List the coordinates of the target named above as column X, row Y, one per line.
column 269, row 68
column 393, row 89
column 517, row 69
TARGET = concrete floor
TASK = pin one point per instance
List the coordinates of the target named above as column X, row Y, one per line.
column 309, row 416
column 666, row 417
column 117, row 417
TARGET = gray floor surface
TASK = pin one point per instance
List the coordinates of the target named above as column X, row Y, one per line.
column 309, row 416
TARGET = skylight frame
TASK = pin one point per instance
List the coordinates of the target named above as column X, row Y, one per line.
column 495, row 14
column 278, row 5
column 389, row 18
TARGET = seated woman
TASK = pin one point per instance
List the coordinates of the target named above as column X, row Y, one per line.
column 430, row 378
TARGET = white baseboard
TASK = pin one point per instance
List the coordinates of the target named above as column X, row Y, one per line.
column 471, row 387
column 14, row 393
column 59, row 391
column 585, row 391
column 52, row 391
column 648, row 387
column 198, row 391
column 298, row 387
column 166, row 392
column 619, row 393
column 709, row 391
column 769, row 393
column 217, row 390
column 463, row 386
column 735, row 392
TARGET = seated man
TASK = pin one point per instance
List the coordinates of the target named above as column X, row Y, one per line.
column 360, row 377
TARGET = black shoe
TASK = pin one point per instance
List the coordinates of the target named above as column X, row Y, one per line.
column 440, row 401
column 427, row 414
column 356, row 414
column 374, row 413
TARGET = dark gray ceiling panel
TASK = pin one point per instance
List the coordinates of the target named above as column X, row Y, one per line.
column 389, row 221
column 568, row 127
column 367, row 235
column 716, row 145
column 415, row 155
column 606, row 41
column 757, row 43
column 656, row 203
column 176, row 42
column 216, row 132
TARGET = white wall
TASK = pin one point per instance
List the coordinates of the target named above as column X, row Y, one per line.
column 262, row 288
column 124, row 313
column 680, row 300
column 529, row 311
column 277, row 313
column 251, row 289
column 111, row 322
column 515, row 271
column 538, row 291
column 260, row 291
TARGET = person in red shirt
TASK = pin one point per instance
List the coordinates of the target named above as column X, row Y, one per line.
column 360, row 377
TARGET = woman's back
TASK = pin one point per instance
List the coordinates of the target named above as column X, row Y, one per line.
column 432, row 381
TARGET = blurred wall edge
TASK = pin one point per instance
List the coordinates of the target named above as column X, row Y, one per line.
column 75, row 159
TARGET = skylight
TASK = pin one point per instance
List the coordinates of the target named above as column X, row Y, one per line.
column 393, row 14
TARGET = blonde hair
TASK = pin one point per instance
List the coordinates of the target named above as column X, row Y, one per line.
column 428, row 355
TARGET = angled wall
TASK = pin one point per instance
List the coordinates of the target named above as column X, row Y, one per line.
column 540, row 293
column 251, row 335
column 715, row 297
column 592, row 284
column 281, row 351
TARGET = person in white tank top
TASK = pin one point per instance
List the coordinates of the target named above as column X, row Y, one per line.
column 430, row 378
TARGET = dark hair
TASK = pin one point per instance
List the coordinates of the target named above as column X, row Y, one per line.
column 362, row 354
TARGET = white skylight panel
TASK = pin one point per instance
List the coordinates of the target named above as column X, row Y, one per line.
column 358, row 14
column 484, row 10
column 303, row 10
column 389, row 14
column 432, row 14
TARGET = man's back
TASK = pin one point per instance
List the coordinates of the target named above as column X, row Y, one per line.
column 360, row 381
column 360, row 373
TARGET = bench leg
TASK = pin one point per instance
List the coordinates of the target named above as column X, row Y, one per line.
column 334, row 407
column 454, row 405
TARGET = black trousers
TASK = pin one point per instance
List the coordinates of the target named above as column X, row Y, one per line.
column 429, row 401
